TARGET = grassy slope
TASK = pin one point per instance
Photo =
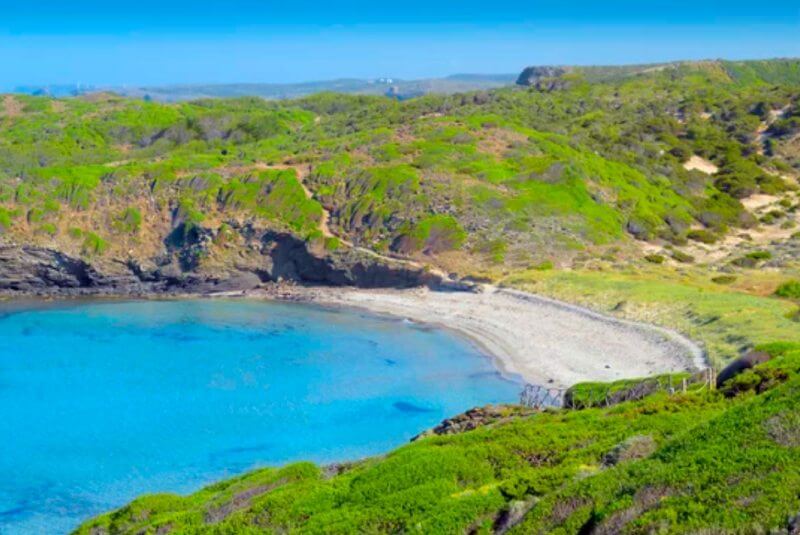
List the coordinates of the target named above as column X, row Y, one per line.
column 727, row 320
column 684, row 462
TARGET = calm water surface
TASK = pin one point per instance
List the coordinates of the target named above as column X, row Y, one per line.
column 101, row 402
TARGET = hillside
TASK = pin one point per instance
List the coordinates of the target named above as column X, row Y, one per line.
column 775, row 71
column 565, row 174
column 401, row 89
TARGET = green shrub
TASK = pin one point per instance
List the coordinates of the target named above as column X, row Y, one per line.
column 433, row 234
column 758, row 380
column 771, row 216
column 129, row 221
column 48, row 228
column 724, row 279
column 5, row 218
column 702, row 235
column 752, row 259
column 93, row 244
column 495, row 249
column 759, row 255
column 332, row 243
column 655, row 258
column 682, row 257
column 789, row 290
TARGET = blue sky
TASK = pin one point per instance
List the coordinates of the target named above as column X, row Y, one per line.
column 160, row 42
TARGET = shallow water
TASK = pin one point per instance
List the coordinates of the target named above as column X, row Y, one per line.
column 103, row 401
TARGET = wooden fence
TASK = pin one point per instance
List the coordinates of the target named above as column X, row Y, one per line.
column 606, row 395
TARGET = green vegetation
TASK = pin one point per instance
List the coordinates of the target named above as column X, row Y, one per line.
column 593, row 163
column 789, row 290
column 129, row 221
column 672, row 463
column 434, row 234
column 655, row 258
column 5, row 218
column 752, row 259
column 93, row 244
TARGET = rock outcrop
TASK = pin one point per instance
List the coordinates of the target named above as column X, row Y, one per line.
column 29, row 269
column 544, row 78
column 476, row 417
column 743, row 363
column 278, row 257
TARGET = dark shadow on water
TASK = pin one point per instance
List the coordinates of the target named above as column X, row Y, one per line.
column 410, row 408
column 48, row 499
column 15, row 513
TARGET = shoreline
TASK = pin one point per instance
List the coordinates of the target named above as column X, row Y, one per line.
column 541, row 340
column 529, row 338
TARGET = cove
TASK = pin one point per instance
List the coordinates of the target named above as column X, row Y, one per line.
column 103, row 401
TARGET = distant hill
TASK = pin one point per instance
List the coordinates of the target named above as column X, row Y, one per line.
column 773, row 71
column 401, row 89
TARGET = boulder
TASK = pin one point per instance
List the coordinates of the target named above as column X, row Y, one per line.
column 534, row 74
column 749, row 360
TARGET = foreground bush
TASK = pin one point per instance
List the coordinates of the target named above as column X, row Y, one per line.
column 789, row 290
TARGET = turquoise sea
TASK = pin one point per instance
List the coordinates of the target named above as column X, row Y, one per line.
column 103, row 401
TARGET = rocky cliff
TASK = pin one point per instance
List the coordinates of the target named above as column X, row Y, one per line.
column 268, row 256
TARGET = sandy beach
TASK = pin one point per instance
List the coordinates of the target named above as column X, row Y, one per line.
column 544, row 341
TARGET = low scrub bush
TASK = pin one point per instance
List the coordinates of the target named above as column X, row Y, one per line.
column 752, row 259
column 724, row 279
column 93, row 244
column 702, row 235
column 789, row 290
column 682, row 257
column 655, row 258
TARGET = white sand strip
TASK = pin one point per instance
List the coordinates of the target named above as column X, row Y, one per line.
column 700, row 164
column 544, row 341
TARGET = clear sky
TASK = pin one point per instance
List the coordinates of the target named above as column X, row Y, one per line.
column 160, row 41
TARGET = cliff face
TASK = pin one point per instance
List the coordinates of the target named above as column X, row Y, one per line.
column 270, row 256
